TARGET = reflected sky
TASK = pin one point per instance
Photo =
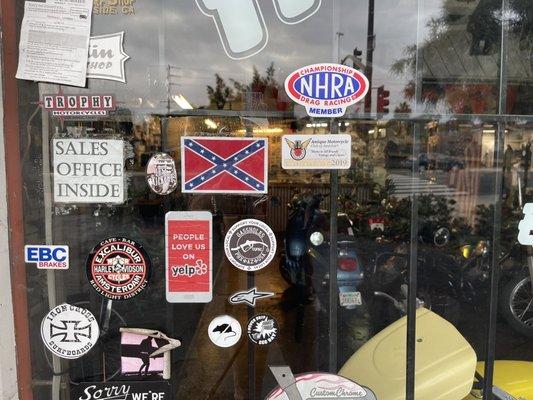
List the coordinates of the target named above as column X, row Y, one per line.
column 177, row 33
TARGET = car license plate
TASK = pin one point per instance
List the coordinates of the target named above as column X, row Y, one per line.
column 350, row 299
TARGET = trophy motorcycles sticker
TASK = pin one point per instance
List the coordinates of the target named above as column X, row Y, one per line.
column 118, row 268
column 326, row 90
column 189, row 257
column 250, row 245
column 47, row 257
column 69, row 331
column 316, row 151
column 61, row 105
column 147, row 390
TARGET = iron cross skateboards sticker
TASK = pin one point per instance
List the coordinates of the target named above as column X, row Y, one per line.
column 118, row 268
column 249, row 297
column 224, row 331
column 69, row 331
column 263, row 329
column 250, row 245
column 161, row 174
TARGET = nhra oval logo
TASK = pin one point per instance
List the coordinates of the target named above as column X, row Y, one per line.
column 326, row 90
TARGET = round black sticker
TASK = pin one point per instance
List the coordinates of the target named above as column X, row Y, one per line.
column 263, row 329
column 118, row 268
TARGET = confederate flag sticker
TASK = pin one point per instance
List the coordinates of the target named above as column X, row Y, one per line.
column 224, row 165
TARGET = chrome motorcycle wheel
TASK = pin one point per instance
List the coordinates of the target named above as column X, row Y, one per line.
column 517, row 304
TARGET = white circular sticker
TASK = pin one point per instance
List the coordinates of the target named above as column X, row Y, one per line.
column 69, row 331
column 224, row 331
column 250, row 245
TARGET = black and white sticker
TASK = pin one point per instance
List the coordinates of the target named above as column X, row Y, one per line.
column 250, row 245
column 225, row 331
column 249, row 297
column 263, row 329
column 69, row 331
column 118, row 268
column 146, row 390
column 161, row 174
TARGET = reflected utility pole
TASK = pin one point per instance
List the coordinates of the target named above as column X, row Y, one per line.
column 370, row 44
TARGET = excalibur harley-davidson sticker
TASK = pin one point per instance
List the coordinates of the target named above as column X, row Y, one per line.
column 250, row 245
column 118, row 268
column 69, row 331
column 161, row 174
column 316, row 151
column 263, row 329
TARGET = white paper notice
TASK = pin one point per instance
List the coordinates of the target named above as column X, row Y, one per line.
column 88, row 171
column 316, row 151
column 54, row 41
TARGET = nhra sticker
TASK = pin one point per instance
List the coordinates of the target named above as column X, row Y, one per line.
column 326, row 90
column 161, row 174
column 47, row 257
column 118, row 268
column 316, row 151
column 69, row 331
column 122, row 391
column 263, row 329
column 250, row 245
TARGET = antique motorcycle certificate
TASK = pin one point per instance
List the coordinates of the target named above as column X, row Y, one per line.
column 54, row 41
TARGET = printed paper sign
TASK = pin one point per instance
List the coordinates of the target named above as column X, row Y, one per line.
column 189, row 257
column 47, row 257
column 316, row 151
column 224, row 165
column 322, row 386
column 107, row 57
column 54, row 38
column 88, row 171
column 326, row 90
column 78, row 105
column 69, row 331
column 146, row 390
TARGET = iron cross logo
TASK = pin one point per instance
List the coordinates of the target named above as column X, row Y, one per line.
column 298, row 148
column 69, row 331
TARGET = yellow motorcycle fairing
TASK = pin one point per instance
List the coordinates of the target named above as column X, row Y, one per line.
column 445, row 361
column 515, row 377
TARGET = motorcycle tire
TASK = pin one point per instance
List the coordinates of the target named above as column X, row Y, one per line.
column 517, row 293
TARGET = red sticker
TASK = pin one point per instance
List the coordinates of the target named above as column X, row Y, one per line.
column 189, row 265
column 118, row 268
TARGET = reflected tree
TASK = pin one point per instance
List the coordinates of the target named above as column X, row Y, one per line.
column 220, row 94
